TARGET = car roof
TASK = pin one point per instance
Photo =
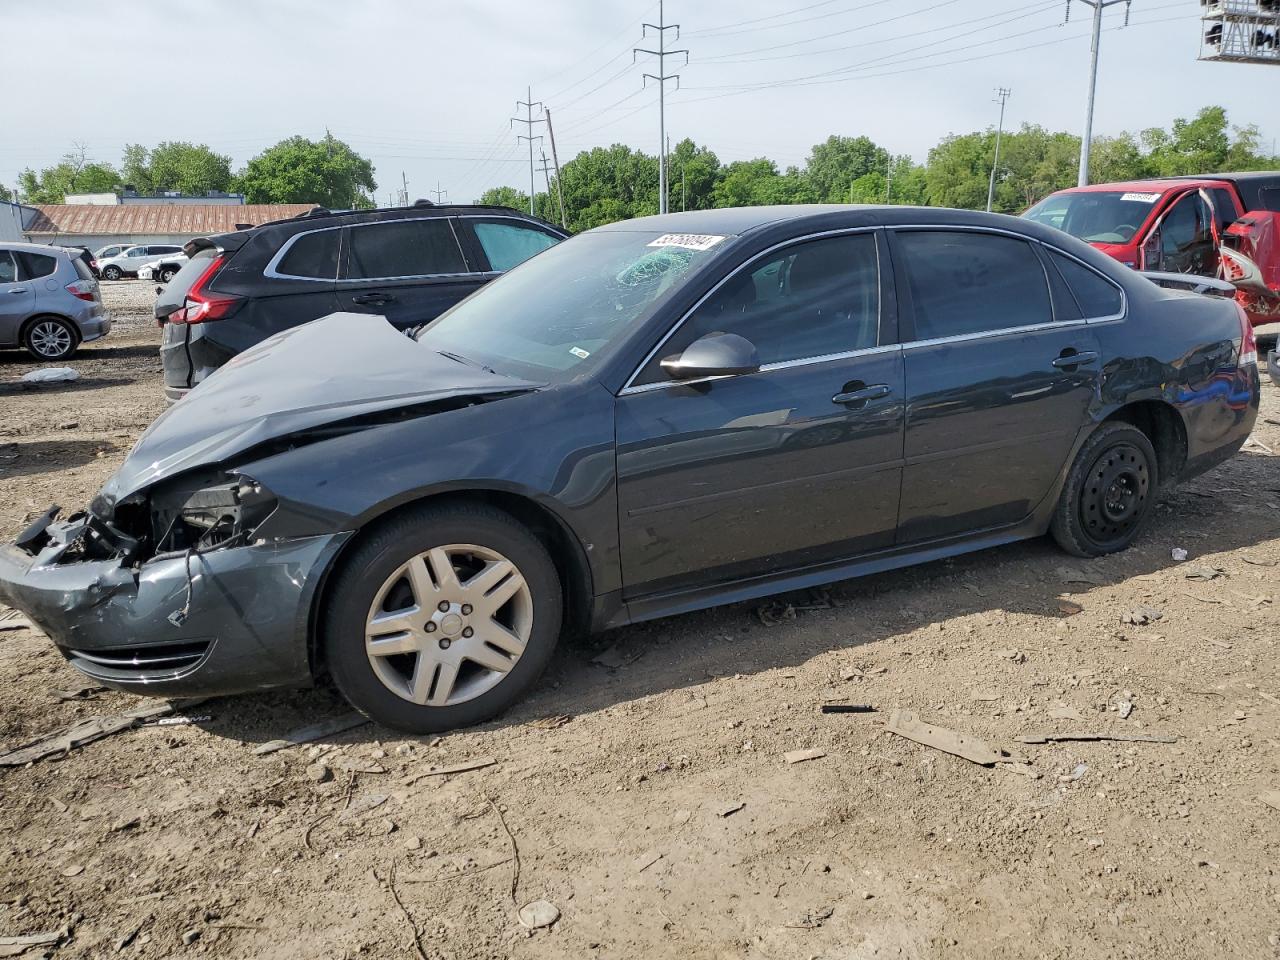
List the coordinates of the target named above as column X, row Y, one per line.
column 729, row 221
column 44, row 248
column 1244, row 175
column 421, row 208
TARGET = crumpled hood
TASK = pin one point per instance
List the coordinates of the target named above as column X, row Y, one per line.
column 340, row 366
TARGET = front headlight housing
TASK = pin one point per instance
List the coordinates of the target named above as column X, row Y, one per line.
column 210, row 516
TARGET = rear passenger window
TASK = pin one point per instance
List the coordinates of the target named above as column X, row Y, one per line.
column 1097, row 297
column 508, row 244
column 312, row 255
column 33, row 266
column 964, row 283
column 404, row 248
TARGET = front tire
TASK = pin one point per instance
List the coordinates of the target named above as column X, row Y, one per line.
column 1109, row 492
column 167, row 275
column 50, row 338
column 442, row 618
column 112, row 273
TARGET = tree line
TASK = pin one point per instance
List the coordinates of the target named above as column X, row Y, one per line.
column 296, row 170
column 616, row 183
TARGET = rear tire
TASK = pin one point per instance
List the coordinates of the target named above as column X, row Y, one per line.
column 50, row 338
column 442, row 617
column 167, row 275
column 1109, row 492
column 112, row 273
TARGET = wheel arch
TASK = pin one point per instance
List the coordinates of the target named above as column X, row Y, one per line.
column 1164, row 427
column 35, row 318
column 567, row 553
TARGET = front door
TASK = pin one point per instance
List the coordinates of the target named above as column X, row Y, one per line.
column 997, row 387
column 794, row 465
column 408, row 271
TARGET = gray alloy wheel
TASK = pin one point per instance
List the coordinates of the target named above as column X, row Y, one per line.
column 167, row 274
column 449, row 625
column 50, row 339
column 111, row 272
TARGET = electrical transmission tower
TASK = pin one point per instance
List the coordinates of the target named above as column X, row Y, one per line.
column 438, row 192
column 1001, row 97
column 1086, row 140
column 528, row 121
column 661, row 28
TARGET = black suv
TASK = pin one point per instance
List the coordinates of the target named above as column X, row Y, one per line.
column 405, row 264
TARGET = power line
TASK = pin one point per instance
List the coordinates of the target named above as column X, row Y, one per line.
column 773, row 16
column 661, row 77
column 789, row 23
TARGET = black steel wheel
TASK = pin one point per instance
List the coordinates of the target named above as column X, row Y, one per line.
column 1109, row 492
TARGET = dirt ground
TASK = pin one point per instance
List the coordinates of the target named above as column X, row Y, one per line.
column 647, row 797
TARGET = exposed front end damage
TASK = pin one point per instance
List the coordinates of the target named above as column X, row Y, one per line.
column 171, row 592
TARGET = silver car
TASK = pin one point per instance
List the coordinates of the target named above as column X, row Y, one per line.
column 49, row 301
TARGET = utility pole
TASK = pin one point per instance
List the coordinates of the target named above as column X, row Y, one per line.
column 438, row 192
column 551, row 135
column 888, row 177
column 661, row 77
column 404, row 194
column 1001, row 97
column 546, row 174
column 1086, row 140
column 528, row 121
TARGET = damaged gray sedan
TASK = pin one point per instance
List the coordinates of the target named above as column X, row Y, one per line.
column 653, row 417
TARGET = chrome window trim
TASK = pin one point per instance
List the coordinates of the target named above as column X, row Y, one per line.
column 632, row 387
column 274, row 262
column 990, row 334
column 765, row 368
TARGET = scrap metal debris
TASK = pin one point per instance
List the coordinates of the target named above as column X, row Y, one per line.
column 1178, row 554
column 13, row 946
column 615, row 658
column 847, row 708
column 1142, row 615
column 87, row 731
column 729, row 809
column 779, row 611
column 1271, row 798
column 906, row 724
column 1071, row 737
column 800, row 756
column 315, row 731
column 1069, row 608
column 479, row 764
column 1205, row 573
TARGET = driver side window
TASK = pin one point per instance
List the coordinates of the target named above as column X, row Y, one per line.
column 810, row 299
column 1186, row 238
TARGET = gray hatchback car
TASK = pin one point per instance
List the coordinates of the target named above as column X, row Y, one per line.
column 49, row 301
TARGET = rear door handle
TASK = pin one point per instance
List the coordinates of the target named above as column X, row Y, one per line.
column 18, row 290
column 374, row 298
column 873, row 392
column 1075, row 359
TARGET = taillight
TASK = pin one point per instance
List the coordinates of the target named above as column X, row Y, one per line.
column 200, row 306
column 1248, row 342
column 83, row 290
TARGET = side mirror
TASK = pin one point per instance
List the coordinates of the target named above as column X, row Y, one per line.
column 713, row 355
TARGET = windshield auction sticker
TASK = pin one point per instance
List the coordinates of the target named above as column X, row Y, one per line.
column 1141, row 197
column 690, row 241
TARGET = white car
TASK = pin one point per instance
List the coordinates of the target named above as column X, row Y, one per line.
column 127, row 261
column 162, row 269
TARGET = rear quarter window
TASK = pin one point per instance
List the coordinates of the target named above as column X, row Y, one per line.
column 82, row 268
column 312, row 255
column 34, row 266
column 1097, row 297
column 509, row 244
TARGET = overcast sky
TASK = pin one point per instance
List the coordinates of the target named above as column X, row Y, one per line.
column 427, row 88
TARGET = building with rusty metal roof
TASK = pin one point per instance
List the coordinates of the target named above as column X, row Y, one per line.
column 94, row 225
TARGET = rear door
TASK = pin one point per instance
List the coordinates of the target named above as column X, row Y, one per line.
column 17, row 299
column 408, row 271
column 999, row 379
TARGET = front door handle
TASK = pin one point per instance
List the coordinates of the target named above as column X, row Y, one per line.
column 374, row 298
column 18, row 290
column 1070, row 358
column 873, row 392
